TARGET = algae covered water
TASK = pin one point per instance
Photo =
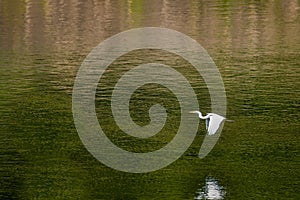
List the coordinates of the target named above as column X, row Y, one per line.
column 255, row 46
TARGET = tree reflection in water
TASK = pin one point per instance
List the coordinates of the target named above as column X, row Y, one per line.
column 212, row 190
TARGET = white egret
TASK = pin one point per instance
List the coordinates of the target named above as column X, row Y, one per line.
column 213, row 121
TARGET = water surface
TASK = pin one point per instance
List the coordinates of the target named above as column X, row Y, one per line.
column 255, row 45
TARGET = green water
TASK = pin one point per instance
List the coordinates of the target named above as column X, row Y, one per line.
column 255, row 45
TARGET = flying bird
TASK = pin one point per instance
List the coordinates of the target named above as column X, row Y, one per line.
column 213, row 121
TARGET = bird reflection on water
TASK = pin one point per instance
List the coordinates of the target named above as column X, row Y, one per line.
column 212, row 190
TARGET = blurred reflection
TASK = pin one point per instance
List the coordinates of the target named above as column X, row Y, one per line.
column 71, row 25
column 34, row 25
column 212, row 190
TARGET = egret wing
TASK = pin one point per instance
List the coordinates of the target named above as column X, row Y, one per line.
column 207, row 123
column 214, row 123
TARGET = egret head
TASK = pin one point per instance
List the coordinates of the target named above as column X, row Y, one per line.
column 196, row 112
column 199, row 114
